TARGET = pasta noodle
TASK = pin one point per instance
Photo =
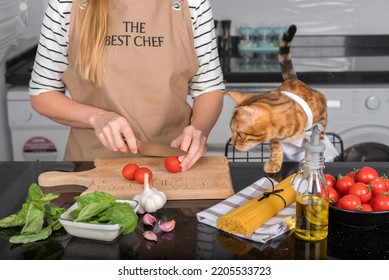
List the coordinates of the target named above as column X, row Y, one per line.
column 246, row 218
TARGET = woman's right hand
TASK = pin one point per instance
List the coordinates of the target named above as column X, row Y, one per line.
column 114, row 132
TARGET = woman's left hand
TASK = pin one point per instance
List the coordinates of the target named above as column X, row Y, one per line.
column 192, row 141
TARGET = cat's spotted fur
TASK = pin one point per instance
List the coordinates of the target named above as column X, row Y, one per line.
column 273, row 117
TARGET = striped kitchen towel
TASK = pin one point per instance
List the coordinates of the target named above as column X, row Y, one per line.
column 276, row 226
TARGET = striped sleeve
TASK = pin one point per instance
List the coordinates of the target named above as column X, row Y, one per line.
column 51, row 58
column 209, row 76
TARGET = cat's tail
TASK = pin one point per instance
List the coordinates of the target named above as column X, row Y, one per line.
column 284, row 56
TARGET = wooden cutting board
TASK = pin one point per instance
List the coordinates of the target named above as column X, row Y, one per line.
column 209, row 178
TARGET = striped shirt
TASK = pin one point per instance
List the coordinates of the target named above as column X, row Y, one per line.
column 52, row 55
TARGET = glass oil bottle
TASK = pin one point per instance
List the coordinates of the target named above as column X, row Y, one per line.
column 312, row 202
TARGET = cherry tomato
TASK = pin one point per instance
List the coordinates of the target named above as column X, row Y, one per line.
column 333, row 195
column 172, row 164
column 351, row 174
column 378, row 185
column 350, row 202
column 140, row 173
column 337, row 204
column 128, row 171
column 330, row 180
column 381, row 203
column 343, row 184
column 366, row 174
column 366, row 208
column 362, row 191
column 386, row 180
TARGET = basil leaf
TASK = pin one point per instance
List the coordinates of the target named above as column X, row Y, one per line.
column 123, row 214
column 34, row 219
column 90, row 210
column 32, row 216
column 95, row 197
column 27, row 238
column 12, row 220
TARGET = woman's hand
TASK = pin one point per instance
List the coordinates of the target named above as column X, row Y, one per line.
column 193, row 142
column 114, row 132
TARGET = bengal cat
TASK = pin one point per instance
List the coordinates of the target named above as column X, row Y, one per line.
column 273, row 116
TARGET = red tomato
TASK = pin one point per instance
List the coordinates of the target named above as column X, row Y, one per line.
column 386, row 180
column 343, row 184
column 337, row 204
column 366, row 174
column 330, row 180
column 172, row 164
column 381, row 203
column 128, row 171
column 351, row 174
column 378, row 185
column 350, row 202
column 362, row 191
column 333, row 195
column 140, row 174
column 366, row 208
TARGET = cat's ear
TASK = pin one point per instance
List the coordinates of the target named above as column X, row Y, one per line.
column 238, row 97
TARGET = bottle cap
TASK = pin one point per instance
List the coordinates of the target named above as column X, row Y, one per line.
column 314, row 147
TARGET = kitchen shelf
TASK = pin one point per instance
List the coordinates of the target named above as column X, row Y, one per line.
column 257, row 49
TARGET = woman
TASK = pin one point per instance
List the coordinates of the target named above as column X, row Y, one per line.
column 127, row 65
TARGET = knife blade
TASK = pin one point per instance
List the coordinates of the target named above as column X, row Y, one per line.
column 158, row 150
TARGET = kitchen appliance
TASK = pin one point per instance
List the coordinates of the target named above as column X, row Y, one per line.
column 33, row 136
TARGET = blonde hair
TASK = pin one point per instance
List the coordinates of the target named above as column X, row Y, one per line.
column 91, row 42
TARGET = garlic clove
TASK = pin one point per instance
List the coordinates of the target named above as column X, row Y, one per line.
column 148, row 219
column 149, row 235
column 167, row 226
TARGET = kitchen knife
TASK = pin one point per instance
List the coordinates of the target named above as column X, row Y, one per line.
column 158, row 150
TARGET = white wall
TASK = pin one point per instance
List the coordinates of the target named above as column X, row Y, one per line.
column 312, row 17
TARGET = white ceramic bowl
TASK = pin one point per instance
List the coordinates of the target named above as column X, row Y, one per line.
column 102, row 232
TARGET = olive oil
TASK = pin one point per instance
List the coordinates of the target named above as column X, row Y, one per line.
column 311, row 217
column 312, row 202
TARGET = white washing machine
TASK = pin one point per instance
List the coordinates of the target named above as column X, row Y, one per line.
column 359, row 114
column 34, row 137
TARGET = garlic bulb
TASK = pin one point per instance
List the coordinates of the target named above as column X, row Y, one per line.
column 151, row 199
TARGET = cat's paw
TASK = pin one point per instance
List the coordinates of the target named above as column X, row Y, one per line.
column 271, row 167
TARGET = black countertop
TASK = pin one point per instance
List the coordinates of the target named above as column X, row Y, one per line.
column 190, row 240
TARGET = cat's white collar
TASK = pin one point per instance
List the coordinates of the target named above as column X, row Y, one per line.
column 303, row 104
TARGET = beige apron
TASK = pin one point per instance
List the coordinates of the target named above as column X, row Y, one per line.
column 149, row 59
